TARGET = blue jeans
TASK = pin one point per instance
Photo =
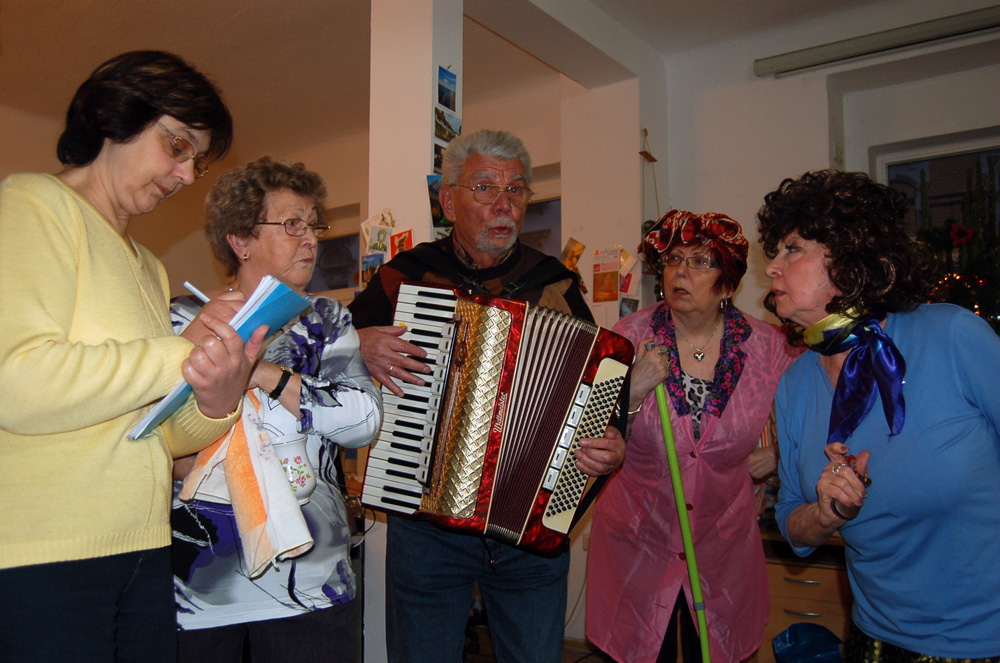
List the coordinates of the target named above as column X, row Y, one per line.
column 430, row 576
column 116, row 608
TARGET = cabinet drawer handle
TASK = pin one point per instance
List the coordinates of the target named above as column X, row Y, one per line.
column 803, row 614
column 803, row 582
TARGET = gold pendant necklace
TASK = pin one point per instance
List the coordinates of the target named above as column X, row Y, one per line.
column 699, row 353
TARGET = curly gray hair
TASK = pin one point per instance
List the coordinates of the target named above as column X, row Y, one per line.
column 488, row 143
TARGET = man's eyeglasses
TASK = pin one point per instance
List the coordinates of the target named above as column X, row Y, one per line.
column 298, row 227
column 693, row 262
column 487, row 194
column 182, row 150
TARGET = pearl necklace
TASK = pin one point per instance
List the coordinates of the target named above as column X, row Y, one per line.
column 699, row 353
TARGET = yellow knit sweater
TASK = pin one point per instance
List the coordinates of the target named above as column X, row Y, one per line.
column 85, row 347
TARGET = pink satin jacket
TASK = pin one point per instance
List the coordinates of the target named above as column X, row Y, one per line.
column 636, row 563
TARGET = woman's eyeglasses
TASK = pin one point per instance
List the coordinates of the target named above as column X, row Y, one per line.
column 298, row 227
column 693, row 262
column 182, row 150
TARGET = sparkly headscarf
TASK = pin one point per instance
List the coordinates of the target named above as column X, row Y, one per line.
column 712, row 230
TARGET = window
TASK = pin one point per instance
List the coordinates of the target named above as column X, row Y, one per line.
column 954, row 209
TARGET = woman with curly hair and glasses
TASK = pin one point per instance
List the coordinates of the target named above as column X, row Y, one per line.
column 720, row 368
column 911, row 484
column 235, row 603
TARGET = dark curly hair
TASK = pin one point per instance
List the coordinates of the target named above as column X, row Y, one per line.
column 874, row 264
column 126, row 94
column 237, row 201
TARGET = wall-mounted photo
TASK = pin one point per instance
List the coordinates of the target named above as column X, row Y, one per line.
column 447, row 88
column 447, row 125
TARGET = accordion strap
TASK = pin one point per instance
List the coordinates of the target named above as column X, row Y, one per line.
column 432, row 257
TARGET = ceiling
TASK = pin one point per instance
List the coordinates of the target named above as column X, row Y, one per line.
column 295, row 70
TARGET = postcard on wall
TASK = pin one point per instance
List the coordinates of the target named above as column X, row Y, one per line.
column 370, row 264
column 382, row 219
column 439, row 147
column 627, row 259
column 447, row 89
column 438, row 219
column 379, row 238
column 606, row 275
column 627, row 306
column 626, row 284
column 571, row 253
column 400, row 242
column 447, row 125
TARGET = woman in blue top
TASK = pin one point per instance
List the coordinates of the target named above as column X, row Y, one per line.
column 921, row 537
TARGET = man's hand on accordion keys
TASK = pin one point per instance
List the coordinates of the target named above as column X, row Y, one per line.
column 601, row 455
column 390, row 359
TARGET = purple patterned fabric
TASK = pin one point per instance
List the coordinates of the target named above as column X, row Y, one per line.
column 339, row 407
column 735, row 331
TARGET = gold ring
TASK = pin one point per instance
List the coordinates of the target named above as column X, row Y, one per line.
column 836, row 468
column 390, row 369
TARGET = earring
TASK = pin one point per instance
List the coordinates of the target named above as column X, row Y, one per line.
column 246, row 256
column 723, row 304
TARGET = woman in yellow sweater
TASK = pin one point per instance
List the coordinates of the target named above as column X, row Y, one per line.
column 85, row 347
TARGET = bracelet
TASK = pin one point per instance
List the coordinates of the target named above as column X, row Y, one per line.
column 836, row 511
column 286, row 374
column 228, row 415
column 632, row 413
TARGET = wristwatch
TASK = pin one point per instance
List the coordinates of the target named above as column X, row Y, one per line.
column 286, row 374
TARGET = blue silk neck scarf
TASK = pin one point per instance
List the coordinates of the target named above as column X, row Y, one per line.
column 873, row 360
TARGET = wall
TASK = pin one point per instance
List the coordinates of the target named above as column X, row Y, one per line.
column 922, row 109
column 601, row 207
column 29, row 142
column 530, row 112
column 733, row 137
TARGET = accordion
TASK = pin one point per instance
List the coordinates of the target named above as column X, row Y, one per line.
column 487, row 444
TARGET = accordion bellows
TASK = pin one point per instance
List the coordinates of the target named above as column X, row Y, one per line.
column 488, row 446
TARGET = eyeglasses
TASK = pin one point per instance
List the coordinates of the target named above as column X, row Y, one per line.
column 519, row 195
column 693, row 262
column 298, row 227
column 182, row 150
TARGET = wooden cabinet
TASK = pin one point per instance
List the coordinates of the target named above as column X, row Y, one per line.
column 804, row 592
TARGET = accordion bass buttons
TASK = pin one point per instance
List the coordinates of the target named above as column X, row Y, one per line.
column 559, row 458
column 551, row 477
column 566, row 439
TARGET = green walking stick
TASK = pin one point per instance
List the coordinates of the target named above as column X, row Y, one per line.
column 675, row 479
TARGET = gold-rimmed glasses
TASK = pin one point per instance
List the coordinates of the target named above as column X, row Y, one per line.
column 484, row 195
column 182, row 150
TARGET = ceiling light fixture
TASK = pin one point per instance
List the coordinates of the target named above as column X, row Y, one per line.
column 879, row 42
